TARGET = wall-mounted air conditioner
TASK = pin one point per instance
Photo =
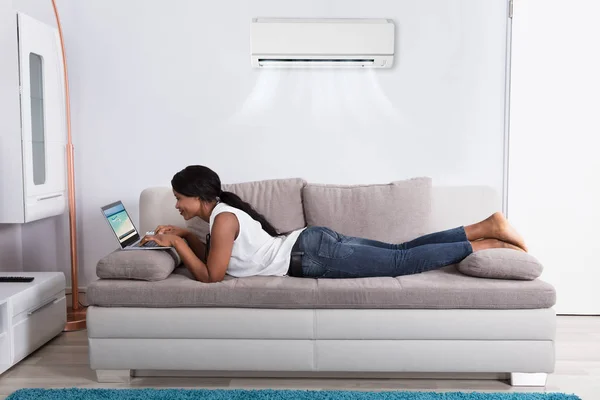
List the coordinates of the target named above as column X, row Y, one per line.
column 294, row 43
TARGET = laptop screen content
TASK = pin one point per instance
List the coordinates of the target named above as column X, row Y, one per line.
column 120, row 222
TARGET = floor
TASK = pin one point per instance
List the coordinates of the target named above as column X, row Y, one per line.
column 63, row 362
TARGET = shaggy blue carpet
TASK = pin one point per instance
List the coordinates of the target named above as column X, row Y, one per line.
column 206, row 394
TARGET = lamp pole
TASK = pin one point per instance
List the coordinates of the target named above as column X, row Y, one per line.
column 76, row 314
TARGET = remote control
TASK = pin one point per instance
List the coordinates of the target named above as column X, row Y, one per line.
column 16, row 279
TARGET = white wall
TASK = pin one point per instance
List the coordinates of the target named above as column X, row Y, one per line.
column 554, row 192
column 46, row 246
column 158, row 85
column 10, row 248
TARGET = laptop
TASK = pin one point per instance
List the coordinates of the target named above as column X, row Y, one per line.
column 124, row 230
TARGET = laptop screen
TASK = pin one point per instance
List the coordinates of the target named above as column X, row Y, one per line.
column 121, row 224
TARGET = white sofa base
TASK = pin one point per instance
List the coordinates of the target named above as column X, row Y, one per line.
column 308, row 341
column 323, row 355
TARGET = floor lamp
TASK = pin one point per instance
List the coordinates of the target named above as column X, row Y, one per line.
column 76, row 314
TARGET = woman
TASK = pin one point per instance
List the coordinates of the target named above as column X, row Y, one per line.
column 243, row 243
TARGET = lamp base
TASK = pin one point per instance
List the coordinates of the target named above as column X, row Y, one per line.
column 76, row 319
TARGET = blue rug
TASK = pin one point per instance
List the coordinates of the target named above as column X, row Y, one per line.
column 206, row 394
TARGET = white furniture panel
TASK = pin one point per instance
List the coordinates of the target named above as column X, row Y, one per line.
column 33, row 128
column 535, row 356
column 30, row 314
column 321, row 324
column 32, row 329
column 5, row 348
column 203, row 354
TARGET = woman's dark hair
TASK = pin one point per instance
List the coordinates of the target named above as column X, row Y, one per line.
column 200, row 181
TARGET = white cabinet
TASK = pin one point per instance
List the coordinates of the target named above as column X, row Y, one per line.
column 30, row 314
column 5, row 346
column 32, row 124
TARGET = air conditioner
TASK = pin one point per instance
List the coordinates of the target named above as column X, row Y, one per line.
column 306, row 43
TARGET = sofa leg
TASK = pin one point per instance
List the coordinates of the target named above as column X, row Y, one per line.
column 524, row 379
column 113, row 375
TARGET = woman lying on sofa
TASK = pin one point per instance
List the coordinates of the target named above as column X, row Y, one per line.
column 243, row 243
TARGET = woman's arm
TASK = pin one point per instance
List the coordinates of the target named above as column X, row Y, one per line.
column 192, row 262
column 224, row 232
column 197, row 246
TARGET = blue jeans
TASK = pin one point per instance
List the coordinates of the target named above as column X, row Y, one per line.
column 328, row 254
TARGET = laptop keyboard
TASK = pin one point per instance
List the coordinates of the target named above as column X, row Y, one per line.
column 151, row 243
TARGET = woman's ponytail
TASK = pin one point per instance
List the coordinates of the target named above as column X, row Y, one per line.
column 202, row 182
column 234, row 200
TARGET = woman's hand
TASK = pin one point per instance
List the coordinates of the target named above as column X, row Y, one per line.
column 163, row 240
column 171, row 230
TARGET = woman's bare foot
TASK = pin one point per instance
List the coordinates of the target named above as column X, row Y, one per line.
column 495, row 227
column 484, row 244
column 503, row 230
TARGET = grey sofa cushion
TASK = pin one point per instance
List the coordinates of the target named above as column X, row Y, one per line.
column 145, row 265
column 445, row 288
column 393, row 213
column 501, row 264
column 279, row 200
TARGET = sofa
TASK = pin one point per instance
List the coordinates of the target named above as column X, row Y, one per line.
column 440, row 323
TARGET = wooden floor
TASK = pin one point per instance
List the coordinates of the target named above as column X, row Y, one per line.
column 63, row 362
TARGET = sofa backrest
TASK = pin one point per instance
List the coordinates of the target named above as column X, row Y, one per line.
column 392, row 213
column 157, row 207
column 279, row 200
column 285, row 205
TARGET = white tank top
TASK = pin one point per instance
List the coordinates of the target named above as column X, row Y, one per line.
column 255, row 252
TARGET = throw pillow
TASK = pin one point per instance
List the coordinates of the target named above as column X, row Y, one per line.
column 501, row 264
column 392, row 213
column 145, row 265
